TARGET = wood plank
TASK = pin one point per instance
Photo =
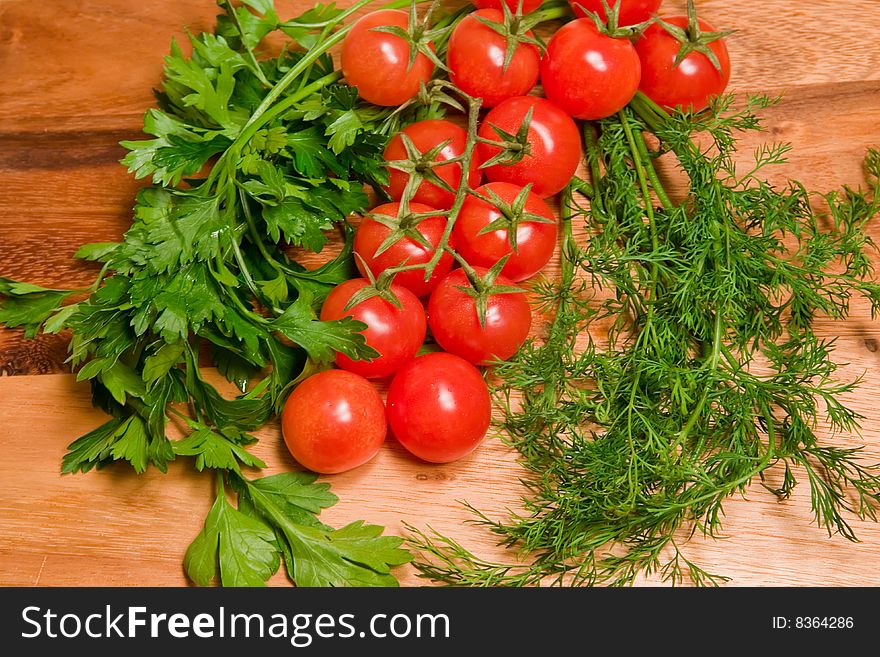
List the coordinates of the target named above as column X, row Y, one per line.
column 111, row 527
column 61, row 118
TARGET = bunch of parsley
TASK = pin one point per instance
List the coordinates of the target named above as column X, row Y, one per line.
column 246, row 154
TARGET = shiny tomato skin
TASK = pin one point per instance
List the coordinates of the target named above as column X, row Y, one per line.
column 396, row 333
column 455, row 325
column 376, row 62
column 371, row 234
column 690, row 84
column 475, row 57
column 535, row 241
column 631, row 11
column 554, row 141
column 438, row 407
column 333, row 421
column 588, row 74
column 528, row 6
column 425, row 135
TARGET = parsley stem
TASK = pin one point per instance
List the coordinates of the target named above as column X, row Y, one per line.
column 254, row 123
column 255, row 236
column 252, row 60
column 267, row 115
column 257, row 120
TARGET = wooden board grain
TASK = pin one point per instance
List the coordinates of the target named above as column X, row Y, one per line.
column 75, row 78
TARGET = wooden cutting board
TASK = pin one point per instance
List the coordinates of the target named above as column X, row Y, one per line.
column 75, row 79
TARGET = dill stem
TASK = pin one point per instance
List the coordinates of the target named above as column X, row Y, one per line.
column 567, row 265
column 649, row 210
column 649, row 112
column 592, row 148
column 656, row 184
column 566, row 262
column 643, row 183
column 717, row 347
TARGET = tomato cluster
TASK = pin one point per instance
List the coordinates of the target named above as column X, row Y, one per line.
column 499, row 228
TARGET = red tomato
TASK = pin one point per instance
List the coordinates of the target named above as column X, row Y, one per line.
column 535, row 241
column 690, row 84
column 396, row 333
column 333, row 421
column 452, row 316
column 630, row 13
column 475, row 57
column 376, row 62
column 554, row 143
column 528, row 6
column 426, row 135
column 588, row 74
column 372, row 234
column 439, row 407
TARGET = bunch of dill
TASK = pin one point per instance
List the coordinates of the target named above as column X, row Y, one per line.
column 710, row 375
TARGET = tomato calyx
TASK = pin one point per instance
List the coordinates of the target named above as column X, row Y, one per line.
column 420, row 166
column 512, row 214
column 418, row 35
column 514, row 147
column 514, row 28
column 435, row 93
column 481, row 288
column 378, row 287
column 692, row 38
column 610, row 25
column 404, row 225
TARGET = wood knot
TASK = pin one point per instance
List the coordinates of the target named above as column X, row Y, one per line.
column 43, row 355
column 871, row 345
column 436, row 475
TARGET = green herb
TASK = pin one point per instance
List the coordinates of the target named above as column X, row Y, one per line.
column 277, row 516
column 711, row 373
column 245, row 155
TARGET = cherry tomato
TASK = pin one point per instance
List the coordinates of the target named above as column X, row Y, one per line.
column 439, row 407
column 396, row 333
column 475, row 57
column 690, row 84
column 426, row 135
column 528, row 6
column 377, row 62
column 588, row 74
column 333, row 421
column 371, row 235
column 631, row 11
column 535, row 240
column 553, row 139
column 452, row 316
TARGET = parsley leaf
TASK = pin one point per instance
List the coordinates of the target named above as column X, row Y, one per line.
column 119, row 438
column 27, row 305
column 163, row 359
column 242, row 546
column 216, row 451
column 178, row 150
column 322, row 339
column 355, row 555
